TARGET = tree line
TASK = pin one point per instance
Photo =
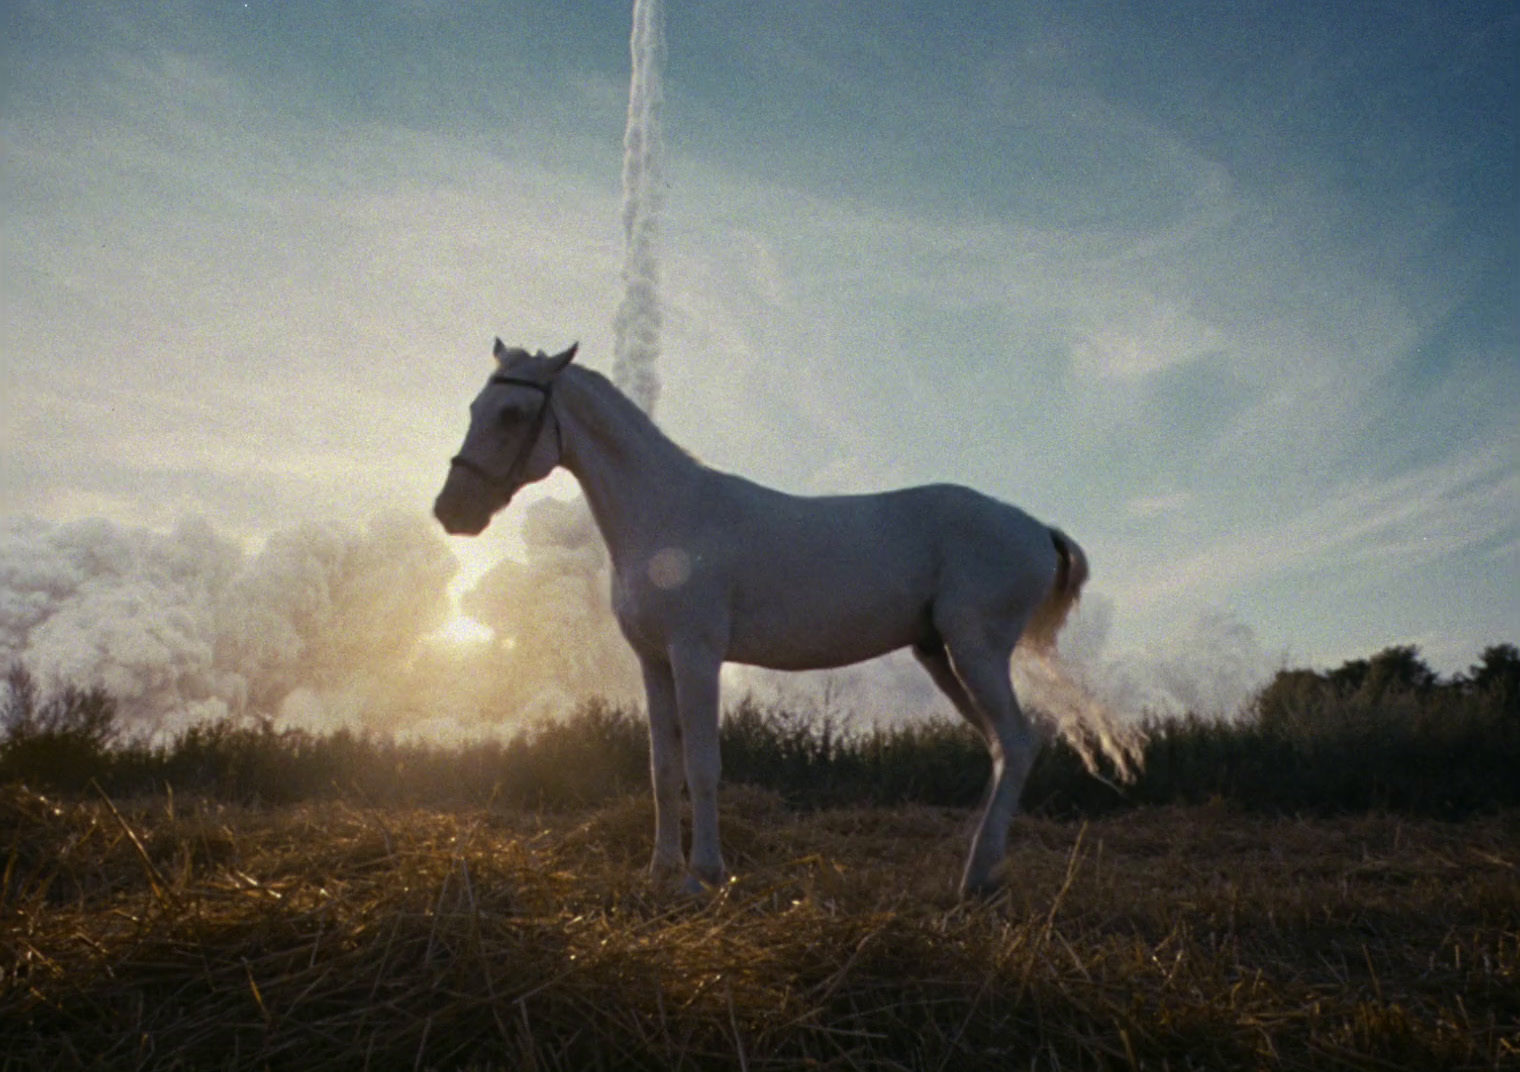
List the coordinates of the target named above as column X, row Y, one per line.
column 1381, row 733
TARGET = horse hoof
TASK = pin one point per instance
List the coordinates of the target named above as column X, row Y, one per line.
column 666, row 876
column 698, row 886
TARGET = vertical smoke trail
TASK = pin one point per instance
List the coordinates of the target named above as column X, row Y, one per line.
column 636, row 327
column 557, row 641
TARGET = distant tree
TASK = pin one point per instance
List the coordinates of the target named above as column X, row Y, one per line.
column 1298, row 703
column 1348, row 678
column 1497, row 674
column 20, row 710
column 1288, row 703
column 1397, row 669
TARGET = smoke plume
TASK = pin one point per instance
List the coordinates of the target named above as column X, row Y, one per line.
column 556, row 641
column 327, row 625
column 186, row 626
column 1211, row 666
column 636, row 326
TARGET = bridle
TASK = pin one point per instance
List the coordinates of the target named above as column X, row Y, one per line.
column 510, row 483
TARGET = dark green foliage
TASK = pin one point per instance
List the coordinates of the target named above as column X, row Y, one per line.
column 1382, row 733
column 62, row 741
column 815, row 763
column 1379, row 733
column 1496, row 676
column 597, row 753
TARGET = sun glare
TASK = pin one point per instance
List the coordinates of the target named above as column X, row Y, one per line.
column 462, row 630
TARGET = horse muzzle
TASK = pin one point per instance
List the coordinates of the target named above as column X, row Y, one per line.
column 461, row 508
column 456, row 524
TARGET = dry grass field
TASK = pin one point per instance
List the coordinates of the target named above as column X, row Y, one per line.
column 168, row 933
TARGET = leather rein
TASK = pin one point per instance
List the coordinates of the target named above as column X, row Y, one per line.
column 510, row 482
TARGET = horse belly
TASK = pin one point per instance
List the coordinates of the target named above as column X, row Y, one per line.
column 795, row 648
column 821, row 614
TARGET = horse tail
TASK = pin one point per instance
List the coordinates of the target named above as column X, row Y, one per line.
column 1071, row 575
column 1082, row 719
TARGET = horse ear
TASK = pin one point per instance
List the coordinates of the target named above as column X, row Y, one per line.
column 499, row 352
column 559, row 361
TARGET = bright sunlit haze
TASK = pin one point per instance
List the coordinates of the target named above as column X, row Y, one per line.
column 1227, row 293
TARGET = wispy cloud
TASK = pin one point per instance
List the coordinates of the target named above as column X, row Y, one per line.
column 1356, row 538
column 1158, row 294
column 267, row 304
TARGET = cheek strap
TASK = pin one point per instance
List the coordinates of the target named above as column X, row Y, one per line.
column 512, row 480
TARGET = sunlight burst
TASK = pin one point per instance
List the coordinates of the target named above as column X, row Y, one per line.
column 462, row 629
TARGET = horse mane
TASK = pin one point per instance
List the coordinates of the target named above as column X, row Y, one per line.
column 622, row 409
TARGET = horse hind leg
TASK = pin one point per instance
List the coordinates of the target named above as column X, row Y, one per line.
column 976, row 680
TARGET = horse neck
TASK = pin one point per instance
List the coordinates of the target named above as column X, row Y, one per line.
column 631, row 473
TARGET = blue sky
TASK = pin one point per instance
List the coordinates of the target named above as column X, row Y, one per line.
column 1228, row 291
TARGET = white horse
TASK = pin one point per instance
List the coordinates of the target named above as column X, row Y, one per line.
column 708, row 567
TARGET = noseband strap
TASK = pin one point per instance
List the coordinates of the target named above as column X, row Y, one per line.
column 510, row 482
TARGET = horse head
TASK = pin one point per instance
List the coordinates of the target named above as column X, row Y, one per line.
column 506, row 445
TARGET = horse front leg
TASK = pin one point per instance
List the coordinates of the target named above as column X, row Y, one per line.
column 695, row 671
column 667, row 770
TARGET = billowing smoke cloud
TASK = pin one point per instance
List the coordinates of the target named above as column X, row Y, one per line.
column 324, row 625
column 636, row 326
column 327, row 625
column 555, row 638
column 1212, row 666
column 136, row 612
column 185, row 626
column 881, row 692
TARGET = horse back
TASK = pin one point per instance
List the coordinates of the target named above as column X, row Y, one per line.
column 831, row 580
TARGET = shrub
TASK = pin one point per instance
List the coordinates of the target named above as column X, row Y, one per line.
column 62, row 742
